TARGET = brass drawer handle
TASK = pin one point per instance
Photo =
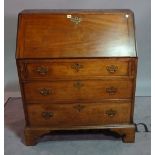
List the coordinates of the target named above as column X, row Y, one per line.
column 45, row 92
column 78, row 84
column 47, row 115
column 112, row 68
column 111, row 113
column 76, row 67
column 79, row 107
column 111, row 90
column 42, row 70
column 75, row 20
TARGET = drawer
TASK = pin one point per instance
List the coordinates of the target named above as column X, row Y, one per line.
column 79, row 90
column 49, row 69
column 78, row 114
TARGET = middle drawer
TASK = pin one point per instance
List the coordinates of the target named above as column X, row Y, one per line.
column 79, row 90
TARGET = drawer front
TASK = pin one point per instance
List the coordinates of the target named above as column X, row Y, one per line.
column 78, row 114
column 73, row 68
column 78, row 90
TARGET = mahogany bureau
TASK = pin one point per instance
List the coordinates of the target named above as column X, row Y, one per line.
column 77, row 71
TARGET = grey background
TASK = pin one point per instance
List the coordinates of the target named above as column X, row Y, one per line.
column 141, row 8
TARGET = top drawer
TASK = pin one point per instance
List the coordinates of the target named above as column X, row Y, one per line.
column 74, row 68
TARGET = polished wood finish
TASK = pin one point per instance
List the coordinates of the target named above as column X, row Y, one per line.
column 82, row 114
column 84, row 90
column 126, row 131
column 77, row 65
column 63, row 68
column 54, row 35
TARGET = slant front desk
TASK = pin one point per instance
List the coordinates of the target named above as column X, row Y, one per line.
column 77, row 71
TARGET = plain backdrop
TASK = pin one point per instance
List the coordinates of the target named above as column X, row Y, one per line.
column 141, row 9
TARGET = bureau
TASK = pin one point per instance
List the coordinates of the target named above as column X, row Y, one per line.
column 77, row 71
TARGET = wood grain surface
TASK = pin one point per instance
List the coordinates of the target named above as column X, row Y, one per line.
column 79, row 114
column 79, row 90
column 57, row 36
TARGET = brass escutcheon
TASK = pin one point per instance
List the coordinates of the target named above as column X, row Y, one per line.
column 78, row 84
column 79, row 107
column 45, row 92
column 47, row 115
column 75, row 20
column 76, row 66
column 112, row 68
column 111, row 90
column 111, row 113
column 42, row 70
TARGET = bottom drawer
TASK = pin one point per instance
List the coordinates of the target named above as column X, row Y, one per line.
column 61, row 115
